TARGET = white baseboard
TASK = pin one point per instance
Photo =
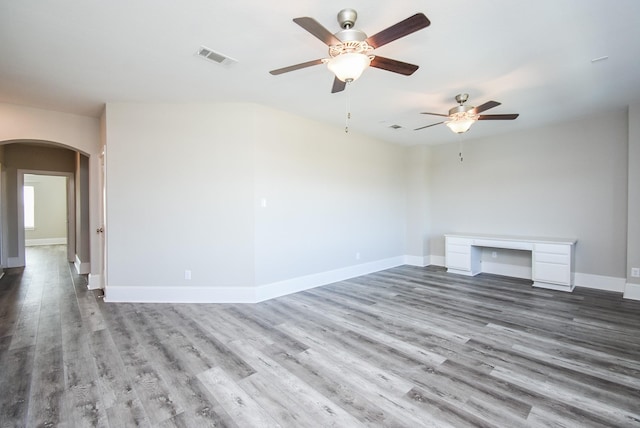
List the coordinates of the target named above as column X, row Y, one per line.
column 437, row 261
column 253, row 294
column 420, row 261
column 82, row 268
column 424, row 261
column 45, row 241
column 151, row 294
column 599, row 282
column 281, row 288
column 94, row 282
column 632, row 291
column 14, row 262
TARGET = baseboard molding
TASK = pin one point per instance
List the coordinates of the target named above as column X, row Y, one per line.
column 600, row 282
column 95, row 282
column 45, row 241
column 82, row 268
column 423, row 261
column 420, row 261
column 255, row 294
column 632, row 291
column 438, row 261
column 281, row 288
column 151, row 294
column 13, row 262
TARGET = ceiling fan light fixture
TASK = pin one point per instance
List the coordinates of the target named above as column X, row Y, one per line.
column 348, row 67
column 461, row 122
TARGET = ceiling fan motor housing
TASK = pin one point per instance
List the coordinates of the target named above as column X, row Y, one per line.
column 351, row 35
column 347, row 19
column 460, row 109
column 353, row 40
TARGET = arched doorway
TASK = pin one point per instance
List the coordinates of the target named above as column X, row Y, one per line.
column 20, row 157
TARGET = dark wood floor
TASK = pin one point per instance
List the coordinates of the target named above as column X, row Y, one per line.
column 406, row 347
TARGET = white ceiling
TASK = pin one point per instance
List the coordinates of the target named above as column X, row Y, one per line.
column 535, row 57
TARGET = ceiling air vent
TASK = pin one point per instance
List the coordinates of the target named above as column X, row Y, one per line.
column 214, row 56
column 395, row 126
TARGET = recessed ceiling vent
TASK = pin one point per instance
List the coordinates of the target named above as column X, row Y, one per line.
column 395, row 127
column 214, row 56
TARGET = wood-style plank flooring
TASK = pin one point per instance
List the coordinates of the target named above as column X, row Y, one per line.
column 406, row 347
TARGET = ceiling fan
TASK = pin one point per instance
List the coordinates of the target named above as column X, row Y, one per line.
column 462, row 116
column 351, row 51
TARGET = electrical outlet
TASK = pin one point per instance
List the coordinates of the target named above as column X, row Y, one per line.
column 494, row 254
column 187, row 274
column 635, row 272
column 357, row 256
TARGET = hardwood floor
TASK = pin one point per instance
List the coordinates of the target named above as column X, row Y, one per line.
column 406, row 347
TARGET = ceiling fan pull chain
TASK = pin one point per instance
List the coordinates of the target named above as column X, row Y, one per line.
column 460, row 147
column 347, row 108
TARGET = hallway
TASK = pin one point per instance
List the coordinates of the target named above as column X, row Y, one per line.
column 46, row 315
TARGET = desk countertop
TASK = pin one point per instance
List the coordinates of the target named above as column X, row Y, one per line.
column 518, row 238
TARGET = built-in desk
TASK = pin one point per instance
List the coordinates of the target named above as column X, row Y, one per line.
column 552, row 259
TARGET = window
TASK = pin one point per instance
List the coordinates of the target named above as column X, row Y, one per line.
column 29, row 208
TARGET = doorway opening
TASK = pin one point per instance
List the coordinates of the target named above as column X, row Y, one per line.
column 46, row 211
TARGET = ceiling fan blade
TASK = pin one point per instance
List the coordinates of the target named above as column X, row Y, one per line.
column 393, row 65
column 296, row 67
column 428, row 126
column 315, row 28
column 486, row 106
column 435, row 114
column 401, row 29
column 498, row 116
column 338, row 85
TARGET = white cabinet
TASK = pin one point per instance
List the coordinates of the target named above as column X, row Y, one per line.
column 552, row 266
column 461, row 256
column 551, row 258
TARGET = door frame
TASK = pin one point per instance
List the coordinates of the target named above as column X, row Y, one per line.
column 71, row 212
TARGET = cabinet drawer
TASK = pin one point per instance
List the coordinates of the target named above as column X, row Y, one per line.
column 551, row 272
column 552, row 248
column 456, row 248
column 562, row 259
column 458, row 261
column 457, row 241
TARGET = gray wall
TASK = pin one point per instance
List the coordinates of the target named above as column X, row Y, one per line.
column 244, row 195
column 418, row 188
column 564, row 180
column 333, row 199
column 50, row 194
column 179, row 182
